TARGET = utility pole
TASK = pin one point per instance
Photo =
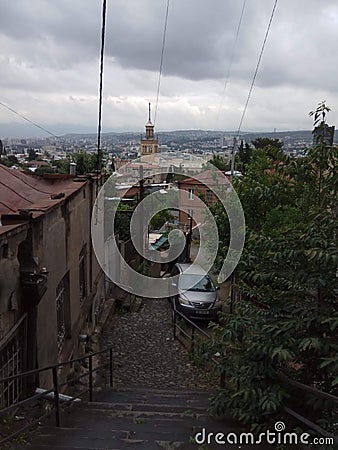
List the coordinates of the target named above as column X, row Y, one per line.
column 232, row 278
column 189, row 239
column 142, row 237
column 233, row 155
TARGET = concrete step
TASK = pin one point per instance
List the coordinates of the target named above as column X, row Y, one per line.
column 113, row 410
column 134, row 424
column 143, row 445
column 138, row 419
column 146, row 407
column 148, row 430
column 155, row 396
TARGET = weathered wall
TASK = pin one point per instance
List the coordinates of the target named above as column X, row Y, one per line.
column 56, row 239
column 65, row 232
column 10, row 294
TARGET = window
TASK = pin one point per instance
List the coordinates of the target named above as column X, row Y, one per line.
column 191, row 194
column 192, row 282
column 62, row 310
column 82, row 274
column 209, row 196
column 12, row 362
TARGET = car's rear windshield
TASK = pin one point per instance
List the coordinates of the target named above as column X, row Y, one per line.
column 190, row 282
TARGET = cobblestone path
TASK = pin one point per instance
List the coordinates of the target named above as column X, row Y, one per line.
column 145, row 353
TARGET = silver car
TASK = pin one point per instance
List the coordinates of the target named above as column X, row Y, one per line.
column 195, row 296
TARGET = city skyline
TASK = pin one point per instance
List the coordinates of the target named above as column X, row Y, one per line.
column 50, row 65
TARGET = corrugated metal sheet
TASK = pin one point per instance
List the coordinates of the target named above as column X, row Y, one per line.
column 21, row 190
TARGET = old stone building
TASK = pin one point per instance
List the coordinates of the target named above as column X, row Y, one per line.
column 51, row 286
column 194, row 191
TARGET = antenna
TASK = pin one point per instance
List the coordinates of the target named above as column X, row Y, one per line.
column 149, row 112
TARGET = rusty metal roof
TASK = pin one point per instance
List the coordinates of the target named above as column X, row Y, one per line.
column 208, row 177
column 37, row 193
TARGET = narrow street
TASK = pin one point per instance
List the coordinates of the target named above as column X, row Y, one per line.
column 145, row 353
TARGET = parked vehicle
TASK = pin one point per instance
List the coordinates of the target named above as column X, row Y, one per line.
column 195, row 296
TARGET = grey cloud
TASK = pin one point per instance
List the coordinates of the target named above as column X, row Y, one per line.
column 50, row 48
column 200, row 35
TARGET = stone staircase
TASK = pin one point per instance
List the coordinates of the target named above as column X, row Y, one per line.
column 135, row 419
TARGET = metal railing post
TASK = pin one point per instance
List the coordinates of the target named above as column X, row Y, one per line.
column 111, row 366
column 174, row 321
column 90, row 363
column 192, row 348
column 56, row 396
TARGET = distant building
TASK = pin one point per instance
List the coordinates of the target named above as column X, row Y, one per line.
column 227, row 141
column 51, row 286
column 191, row 192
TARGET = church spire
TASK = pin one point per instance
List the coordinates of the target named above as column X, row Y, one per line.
column 149, row 143
column 149, row 125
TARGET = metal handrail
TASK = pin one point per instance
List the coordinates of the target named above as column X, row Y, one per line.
column 56, row 387
column 281, row 376
column 192, row 337
column 57, row 365
column 310, row 389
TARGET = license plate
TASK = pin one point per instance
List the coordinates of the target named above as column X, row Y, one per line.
column 202, row 312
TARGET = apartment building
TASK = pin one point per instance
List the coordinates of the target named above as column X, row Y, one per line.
column 51, row 286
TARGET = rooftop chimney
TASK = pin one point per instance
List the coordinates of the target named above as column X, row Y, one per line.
column 72, row 168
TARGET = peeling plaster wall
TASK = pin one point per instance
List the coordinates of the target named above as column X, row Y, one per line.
column 58, row 241
column 10, row 293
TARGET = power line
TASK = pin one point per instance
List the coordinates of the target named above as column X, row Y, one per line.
column 230, row 62
column 161, row 63
column 28, row 120
column 103, row 32
column 257, row 67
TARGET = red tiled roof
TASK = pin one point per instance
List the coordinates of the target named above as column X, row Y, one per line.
column 21, row 190
column 206, row 177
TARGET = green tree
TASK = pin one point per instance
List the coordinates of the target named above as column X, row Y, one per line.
column 160, row 218
column 45, row 169
column 272, row 147
column 220, row 162
column 88, row 162
column 244, row 156
column 263, row 143
column 9, row 161
column 31, row 154
column 287, row 319
column 61, row 165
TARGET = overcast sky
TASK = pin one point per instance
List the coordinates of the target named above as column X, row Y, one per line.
column 49, row 64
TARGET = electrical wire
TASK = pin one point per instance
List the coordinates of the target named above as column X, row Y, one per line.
column 161, row 62
column 257, row 67
column 250, row 92
column 28, row 120
column 230, row 63
column 99, row 126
